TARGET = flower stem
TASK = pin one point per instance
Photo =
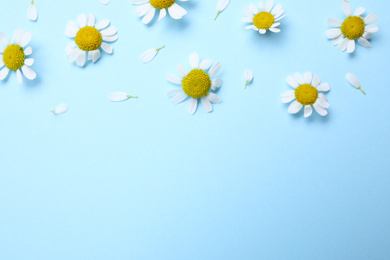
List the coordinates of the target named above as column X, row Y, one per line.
column 246, row 84
column 128, row 96
column 160, row 48
column 217, row 15
column 362, row 90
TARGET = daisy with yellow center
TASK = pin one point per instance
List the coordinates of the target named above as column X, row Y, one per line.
column 196, row 84
column 306, row 94
column 263, row 18
column 147, row 9
column 354, row 27
column 13, row 56
column 89, row 37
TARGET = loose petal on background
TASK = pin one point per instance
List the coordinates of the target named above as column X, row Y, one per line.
column 354, row 81
column 222, row 4
column 60, row 109
column 119, row 96
column 248, row 77
column 32, row 12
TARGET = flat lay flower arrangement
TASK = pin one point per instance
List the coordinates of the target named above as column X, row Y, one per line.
column 89, row 36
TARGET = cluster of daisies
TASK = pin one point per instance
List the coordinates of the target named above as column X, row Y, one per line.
column 197, row 84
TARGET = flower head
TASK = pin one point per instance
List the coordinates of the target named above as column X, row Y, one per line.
column 13, row 56
column 306, row 94
column 148, row 8
column 89, row 37
column 263, row 18
column 196, row 84
column 354, row 27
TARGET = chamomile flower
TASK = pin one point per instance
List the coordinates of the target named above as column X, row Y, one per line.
column 306, row 94
column 196, row 84
column 354, row 27
column 148, row 9
column 263, row 18
column 88, row 39
column 13, row 56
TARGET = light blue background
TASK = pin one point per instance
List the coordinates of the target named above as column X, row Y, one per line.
column 144, row 180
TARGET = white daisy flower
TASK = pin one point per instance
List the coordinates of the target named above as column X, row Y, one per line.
column 32, row 12
column 263, row 18
column 88, row 38
column 306, row 94
column 353, row 27
column 105, row 2
column 196, row 84
column 13, row 56
column 148, row 9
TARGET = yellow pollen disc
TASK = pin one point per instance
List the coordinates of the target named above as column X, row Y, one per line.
column 161, row 4
column 263, row 20
column 353, row 27
column 88, row 38
column 306, row 94
column 196, row 84
column 13, row 57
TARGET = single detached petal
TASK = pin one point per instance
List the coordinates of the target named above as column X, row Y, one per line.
column 248, row 75
column 60, row 109
column 353, row 80
column 221, row 6
column 118, row 96
column 32, row 12
column 148, row 55
column 104, row 1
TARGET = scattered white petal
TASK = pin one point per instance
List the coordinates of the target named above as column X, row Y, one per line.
column 221, row 6
column 354, row 81
column 104, row 1
column 32, row 12
column 248, row 77
column 119, row 96
column 60, row 109
column 150, row 54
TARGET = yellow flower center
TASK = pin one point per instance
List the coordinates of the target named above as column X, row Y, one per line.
column 196, row 84
column 306, row 94
column 13, row 57
column 88, row 38
column 263, row 20
column 161, row 4
column 353, row 27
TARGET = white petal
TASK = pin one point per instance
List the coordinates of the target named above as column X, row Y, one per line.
column 372, row 28
column 351, row 46
column 94, row 55
column 359, row 11
column 174, row 91
column 194, row 60
column 222, row 4
column 183, row 72
column 346, row 7
column 4, row 39
column 205, row 64
column 176, row 11
column 215, row 69
column 316, row 81
column 268, row 5
column 248, row 75
column 29, row 61
column 292, row 82
column 4, row 73
column 173, row 79
column 320, row 110
column 149, row 15
column 216, row 83
column 276, row 9
column 262, row 31
column 246, row 20
column 248, row 12
column 299, row 78
column 109, row 31
column 102, row 24
column 91, row 20
column 367, row 35
column 82, row 20
column 307, row 111
column 274, row 30
column 163, row 13
column 338, row 40
column 322, row 102
column 143, row 9
column 110, row 38
column 206, row 104
column 333, row 33
column 104, row 1
column 334, row 22
column 192, row 106
column 32, row 12
column 213, row 98
column 370, row 18
column 25, row 39
column 362, row 41
column 60, row 109
column 295, row 107
column 139, row 2
column 68, row 48
column 19, row 76
column 81, row 58
column 1, row 62
column 307, row 77
column 253, row 8
column 148, row 55
column 353, row 80
column 118, row 96
column 71, row 29
column 323, row 87
column 288, row 96
column 344, row 44
column 18, row 36
column 106, row 47
column 28, row 72
column 179, row 98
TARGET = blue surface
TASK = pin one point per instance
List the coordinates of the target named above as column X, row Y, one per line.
column 144, row 180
